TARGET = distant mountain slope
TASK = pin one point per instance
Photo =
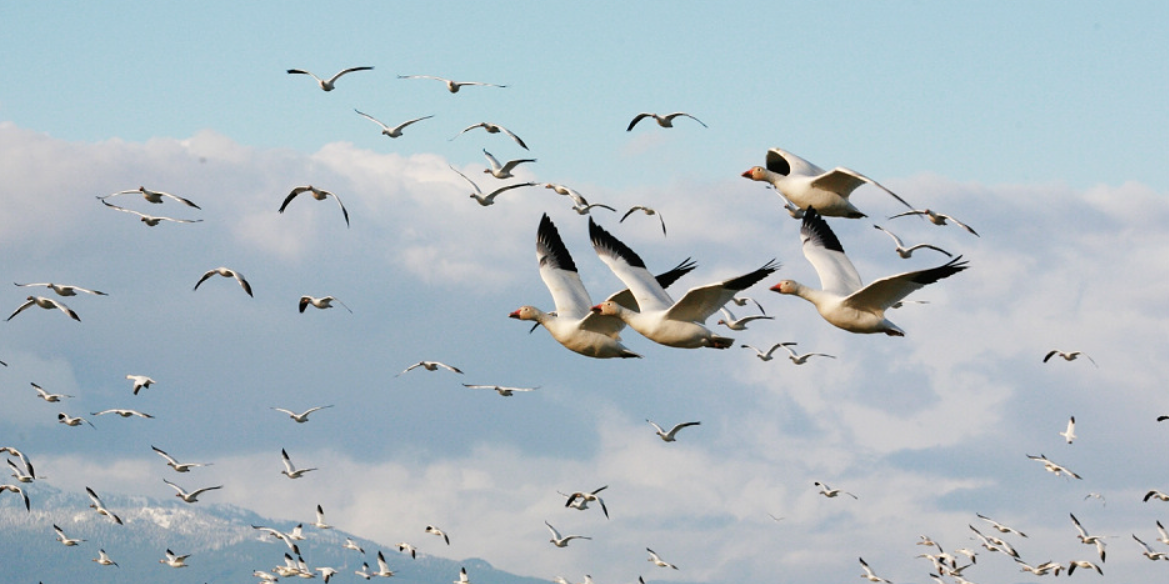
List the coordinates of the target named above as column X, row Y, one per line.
column 224, row 547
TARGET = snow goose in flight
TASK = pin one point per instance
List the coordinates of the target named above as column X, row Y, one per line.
column 743, row 300
column 494, row 129
column 739, row 324
column 573, row 323
column 320, row 522
column 658, row 561
column 68, row 420
column 1149, row 553
column 175, row 561
column 178, row 466
column 290, row 470
column 438, row 532
column 192, row 496
column 1067, row 356
column 226, row 273
column 869, row 575
column 844, row 301
column 999, row 526
column 502, row 171
column 280, row 535
column 489, row 199
column 330, row 83
column 801, row 359
column 764, row 356
column 1156, row 494
column 64, row 539
column 97, row 506
column 585, row 498
column 49, row 397
column 318, row 194
column 994, row 544
column 658, row 317
column 140, row 381
column 1070, row 433
column 149, row 220
column 326, row 572
column 408, row 549
column 936, row 219
column 431, row 366
column 1162, row 535
column 352, row 545
column 666, row 121
column 502, row 390
column 907, row 252
column 22, row 475
column 364, row 571
column 562, row 541
column 64, row 289
column 321, row 303
column 462, row 577
column 103, row 559
column 153, row 196
column 395, row 131
column 579, row 203
column 19, row 491
column 670, row 436
column 125, row 413
column 1054, row 468
column 451, row 85
column 806, row 185
column 302, row 417
column 47, row 304
column 832, row 493
column 1072, row 565
column 648, row 211
column 23, row 459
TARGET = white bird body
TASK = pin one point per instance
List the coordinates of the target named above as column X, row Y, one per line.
column 581, row 499
column 290, row 470
column 869, row 575
column 438, row 532
column 451, row 85
column 330, row 83
column 740, row 324
column 502, row 171
column 658, row 561
column 383, row 569
column 658, row 317
column 489, row 199
column 352, row 545
column 494, row 129
column 103, row 559
column 320, row 522
column 936, row 218
column 406, row 548
column 431, row 366
column 174, row 560
column 395, row 131
column 49, row 397
column 502, row 390
column 65, row 540
column 832, row 493
column 47, row 304
column 63, row 289
column 1054, row 468
column 562, row 541
column 665, row 121
column 801, row 359
column 1149, row 553
column 670, row 436
column 155, row 197
column 907, row 252
column 68, row 420
column 226, row 273
column 97, row 506
column 24, row 475
column 806, row 185
column 318, row 194
column 1070, row 433
column 149, row 220
column 321, row 303
column 125, row 413
column 19, row 491
column 178, row 466
column 843, row 301
column 192, row 496
column 301, row 417
column 140, row 381
column 764, row 356
column 999, row 526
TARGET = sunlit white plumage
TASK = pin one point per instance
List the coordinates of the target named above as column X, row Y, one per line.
column 503, row 390
column 936, row 218
column 494, row 129
column 843, row 300
column 670, row 436
column 658, row 561
column 155, row 197
column 832, row 493
column 103, row 559
column 174, row 560
column 559, row 540
column 489, row 199
column 301, row 417
column 68, row 420
column 352, row 545
column 149, row 220
column 1054, row 468
column 318, row 194
column 226, row 273
column 395, row 131
column 806, row 185
column 581, row 499
column 178, row 466
column 19, row 491
column 869, row 575
column 63, row 289
column 330, row 83
column 320, row 522
column 64, row 539
column 438, row 532
column 123, row 412
column 140, row 381
column 799, row 359
column 47, row 304
column 321, row 303
column 451, row 85
column 502, row 171
column 192, row 496
column 665, row 121
column 100, row 508
column 740, row 324
column 49, row 397
column 431, row 366
column 907, row 252
column 290, row 470
column 1070, row 433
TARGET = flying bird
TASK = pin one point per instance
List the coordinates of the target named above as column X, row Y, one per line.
column 936, row 218
column 801, row 359
column 174, row 560
column 1149, row 553
column 907, row 252
column 430, row 366
column 178, row 466
column 666, row 121
column 658, row 561
column 330, row 83
column 1054, row 468
column 321, row 303
column 24, row 475
column 648, row 211
column 64, row 539
column 97, row 506
column 1156, row 494
column 494, row 129
column 320, row 522
column 502, row 171
column 149, row 220
column 383, row 569
column 462, row 577
column 49, row 397
column 489, row 199
column 584, row 498
column 999, row 526
column 764, row 355
column 103, row 559
column 438, row 532
column 832, row 493
column 291, row 471
column 670, row 435
column 1070, row 433
column 562, row 541
column 396, row 131
column 64, row 289
column 806, row 185
column 739, row 324
column 140, row 381
column 47, row 304
column 1067, row 356
column 869, row 575
column 844, row 301
column 19, row 491
column 658, row 317
column 352, row 545
column 408, row 549
column 191, row 496
column 125, row 413
column 226, row 273
column 503, row 390
column 318, row 194
column 743, row 300
column 155, row 197
column 68, row 420
column 302, row 417
column 573, row 324
column 451, row 85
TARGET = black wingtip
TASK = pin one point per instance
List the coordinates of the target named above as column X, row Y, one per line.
column 747, row 280
column 816, row 229
column 552, row 251
column 604, row 241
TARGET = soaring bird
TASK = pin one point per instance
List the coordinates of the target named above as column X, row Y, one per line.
column 562, row 541
column 764, row 355
column 226, row 273
column 806, row 185
column 47, row 304
column 869, row 575
column 502, row 171
column 451, row 85
column 330, row 83
column 396, row 131
column 1067, row 355
column 585, row 498
column 302, row 417
column 140, row 381
column 125, row 413
column 320, row 523
column 432, row 530
column 19, row 491
column 658, row 317
column 155, row 197
column 174, row 560
column 503, row 390
column 658, row 561
column 431, row 366
column 291, row 471
column 178, row 466
column 648, row 211
column 666, row 121
column 489, row 199
column 192, row 496
column 103, row 559
column 936, row 218
column 669, row 436
column 907, row 252
column 832, row 493
column 68, row 420
column 493, row 129
column 100, row 508
column 1000, row 527
column 318, row 194
column 739, row 324
column 1070, row 433
column 801, row 359
column 149, row 220
column 321, row 303
column 49, row 397
column 843, row 300
column 1054, row 468
column 64, row 289
column 64, row 539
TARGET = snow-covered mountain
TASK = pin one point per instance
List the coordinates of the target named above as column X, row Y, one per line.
column 223, row 545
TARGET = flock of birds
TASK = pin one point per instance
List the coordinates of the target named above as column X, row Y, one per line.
column 809, row 193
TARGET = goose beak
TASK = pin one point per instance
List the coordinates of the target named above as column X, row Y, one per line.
column 748, row 173
column 515, row 315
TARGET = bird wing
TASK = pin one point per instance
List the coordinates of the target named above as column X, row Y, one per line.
column 344, row 211
column 559, row 273
column 843, row 181
column 399, row 127
column 20, row 308
column 491, row 160
column 513, row 136
column 883, row 293
column 375, row 120
column 960, row 224
column 473, row 185
column 824, row 252
column 186, row 202
column 630, row 269
column 334, row 78
column 701, row 302
column 511, row 164
column 636, row 119
column 684, row 114
column 500, row 190
column 302, row 72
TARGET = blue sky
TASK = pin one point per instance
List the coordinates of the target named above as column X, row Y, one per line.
column 1042, row 126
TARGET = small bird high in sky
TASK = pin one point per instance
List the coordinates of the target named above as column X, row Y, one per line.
column 330, row 83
